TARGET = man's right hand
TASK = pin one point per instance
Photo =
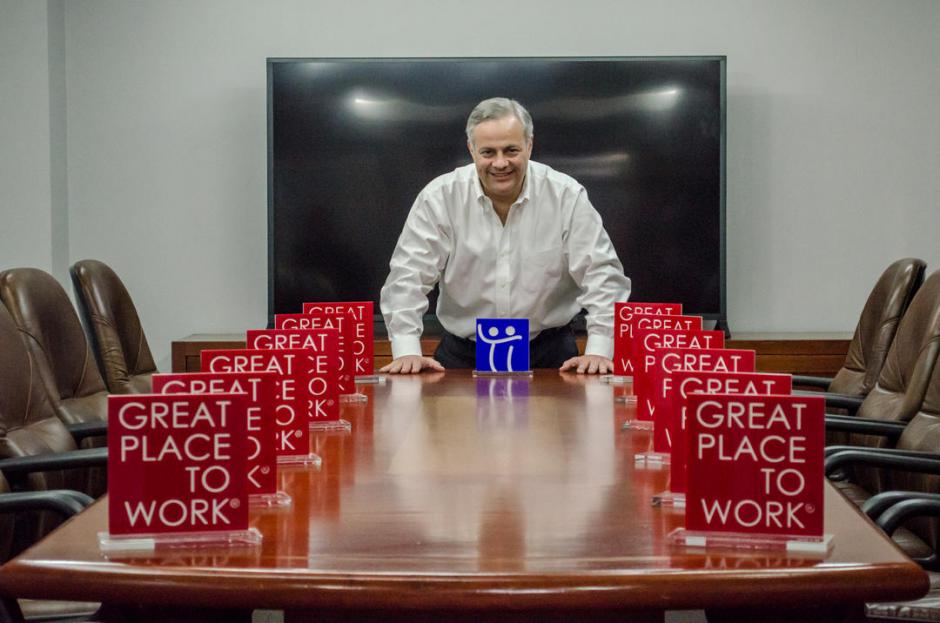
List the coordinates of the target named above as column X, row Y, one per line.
column 412, row 364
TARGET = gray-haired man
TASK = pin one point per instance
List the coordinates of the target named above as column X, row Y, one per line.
column 504, row 237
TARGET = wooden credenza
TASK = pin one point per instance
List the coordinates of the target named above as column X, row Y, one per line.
column 799, row 353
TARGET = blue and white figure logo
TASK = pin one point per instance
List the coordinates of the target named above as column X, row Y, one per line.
column 502, row 345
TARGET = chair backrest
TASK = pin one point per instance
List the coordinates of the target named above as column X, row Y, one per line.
column 117, row 336
column 877, row 326
column 54, row 336
column 28, row 423
column 905, row 377
column 922, row 433
column 902, row 384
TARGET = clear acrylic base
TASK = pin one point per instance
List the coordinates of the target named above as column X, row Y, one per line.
column 669, row 498
column 629, row 399
column 278, row 499
column 331, row 426
column 300, row 459
column 614, row 379
column 524, row 373
column 637, row 425
column 150, row 543
column 357, row 397
column 371, row 379
column 652, row 458
column 743, row 540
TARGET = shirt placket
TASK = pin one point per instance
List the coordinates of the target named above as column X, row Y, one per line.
column 503, row 268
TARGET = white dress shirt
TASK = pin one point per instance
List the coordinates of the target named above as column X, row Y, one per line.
column 551, row 259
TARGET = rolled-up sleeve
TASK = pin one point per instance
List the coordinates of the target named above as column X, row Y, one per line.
column 595, row 267
column 416, row 265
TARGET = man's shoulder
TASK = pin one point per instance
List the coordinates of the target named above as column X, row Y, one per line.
column 543, row 174
column 460, row 178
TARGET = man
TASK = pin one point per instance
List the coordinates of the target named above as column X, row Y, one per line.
column 504, row 237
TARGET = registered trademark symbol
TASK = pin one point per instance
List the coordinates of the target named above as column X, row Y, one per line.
column 235, row 503
column 810, row 508
column 330, row 402
column 265, row 470
column 297, row 433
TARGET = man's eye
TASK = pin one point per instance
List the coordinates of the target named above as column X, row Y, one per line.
column 486, row 153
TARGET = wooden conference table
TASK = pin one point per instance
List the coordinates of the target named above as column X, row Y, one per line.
column 460, row 498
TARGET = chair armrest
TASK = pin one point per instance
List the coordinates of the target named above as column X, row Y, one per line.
column 830, row 450
column 92, row 457
column 822, row 382
column 853, row 424
column 843, row 401
column 906, row 460
column 81, row 430
column 926, row 504
column 62, row 501
column 880, row 502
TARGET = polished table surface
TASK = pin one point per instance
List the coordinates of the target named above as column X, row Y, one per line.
column 464, row 494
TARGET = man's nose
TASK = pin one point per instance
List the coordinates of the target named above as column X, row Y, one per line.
column 500, row 162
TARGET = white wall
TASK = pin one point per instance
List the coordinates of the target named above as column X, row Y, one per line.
column 25, row 165
column 833, row 135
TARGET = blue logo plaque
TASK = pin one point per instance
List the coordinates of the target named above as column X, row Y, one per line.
column 502, row 344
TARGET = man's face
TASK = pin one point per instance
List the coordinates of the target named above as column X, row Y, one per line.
column 501, row 155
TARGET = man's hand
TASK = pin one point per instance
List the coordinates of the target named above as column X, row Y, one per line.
column 412, row 364
column 590, row 364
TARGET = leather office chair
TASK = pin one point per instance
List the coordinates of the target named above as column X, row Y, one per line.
column 905, row 377
column 30, row 427
column 116, row 333
column 55, row 338
column 875, row 331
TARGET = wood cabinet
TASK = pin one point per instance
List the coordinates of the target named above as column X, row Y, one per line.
column 800, row 353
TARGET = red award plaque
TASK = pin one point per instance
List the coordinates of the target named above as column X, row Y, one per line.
column 623, row 330
column 755, row 467
column 323, row 360
column 259, row 388
column 176, row 471
column 291, row 400
column 347, row 383
column 686, row 382
column 359, row 332
column 645, row 341
column 666, row 360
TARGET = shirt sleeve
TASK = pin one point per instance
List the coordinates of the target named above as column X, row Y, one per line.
column 595, row 267
column 416, row 265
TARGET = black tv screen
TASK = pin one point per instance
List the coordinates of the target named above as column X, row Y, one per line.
column 351, row 142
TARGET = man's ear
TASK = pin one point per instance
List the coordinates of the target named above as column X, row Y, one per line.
column 531, row 141
column 470, row 147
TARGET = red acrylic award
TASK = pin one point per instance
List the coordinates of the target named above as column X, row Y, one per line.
column 347, row 385
column 292, row 397
column 177, row 472
column 260, row 389
column 323, row 360
column 755, row 467
column 360, row 333
column 645, row 341
column 623, row 330
column 684, row 383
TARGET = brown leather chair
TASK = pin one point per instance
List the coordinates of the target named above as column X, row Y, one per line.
column 29, row 425
column 902, row 385
column 116, row 333
column 875, row 331
column 55, row 338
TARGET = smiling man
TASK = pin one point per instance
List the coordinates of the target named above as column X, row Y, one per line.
column 504, row 237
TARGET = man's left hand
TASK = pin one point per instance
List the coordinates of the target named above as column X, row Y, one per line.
column 588, row 364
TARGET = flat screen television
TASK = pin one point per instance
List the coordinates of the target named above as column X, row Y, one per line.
column 352, row 141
